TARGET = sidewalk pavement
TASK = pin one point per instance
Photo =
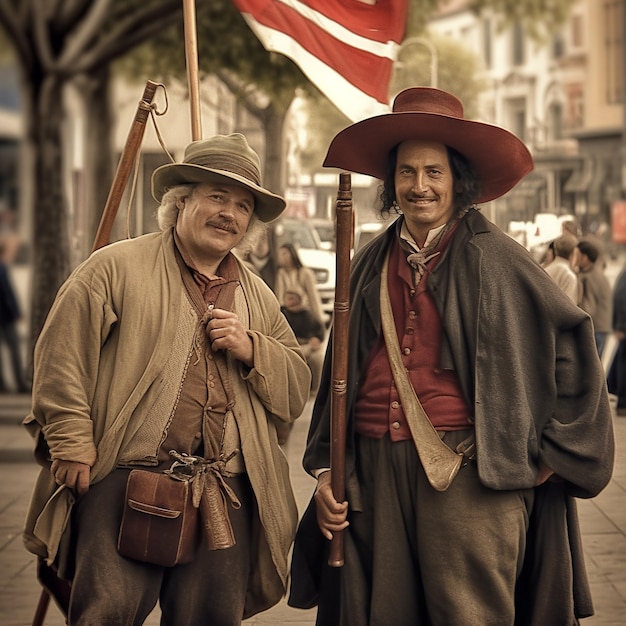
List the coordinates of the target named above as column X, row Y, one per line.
column 603, row 522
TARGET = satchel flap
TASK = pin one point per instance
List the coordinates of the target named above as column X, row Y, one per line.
column 151, row 509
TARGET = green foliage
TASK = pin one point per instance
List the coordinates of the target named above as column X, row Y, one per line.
column 225, row 44
column 538, row 17
column 420, row 11
column 457, row 70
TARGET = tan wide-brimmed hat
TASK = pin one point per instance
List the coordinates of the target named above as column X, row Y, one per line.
column 222, row 158
column 499, row 158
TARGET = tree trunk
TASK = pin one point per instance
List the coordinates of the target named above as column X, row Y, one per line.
column 100, row 161
column 273, row 125
column 51, row 263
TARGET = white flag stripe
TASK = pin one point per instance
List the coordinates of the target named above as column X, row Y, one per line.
column 386, row 50
column 351, row 100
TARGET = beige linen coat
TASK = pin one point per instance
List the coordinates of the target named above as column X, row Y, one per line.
column 109, row 364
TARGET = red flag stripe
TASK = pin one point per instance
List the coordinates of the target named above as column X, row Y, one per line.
column 354, row 102
column 373, row 27
column 346, row 48
column 367, row 71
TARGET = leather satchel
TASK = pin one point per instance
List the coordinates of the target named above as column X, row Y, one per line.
column 160, row 524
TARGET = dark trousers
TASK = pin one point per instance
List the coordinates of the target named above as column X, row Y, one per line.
column 415, row 556
column 109, row 590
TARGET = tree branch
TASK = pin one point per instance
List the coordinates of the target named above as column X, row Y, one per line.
column 136, row 28
column 83, row 36
column 41, row 39
column 13, row 19
column 246, row 94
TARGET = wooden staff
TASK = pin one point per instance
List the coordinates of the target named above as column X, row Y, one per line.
column 133, row 143
column 47, row 576
column 191, row 57
column 340, row 356
column 124, row 167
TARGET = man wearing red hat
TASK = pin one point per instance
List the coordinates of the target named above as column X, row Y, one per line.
column 477, row 407
column 168, row 342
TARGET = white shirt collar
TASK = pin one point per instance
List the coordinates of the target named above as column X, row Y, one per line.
column 406, row 235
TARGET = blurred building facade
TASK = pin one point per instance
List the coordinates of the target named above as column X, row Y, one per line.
column 11, row 132
column 563, row 96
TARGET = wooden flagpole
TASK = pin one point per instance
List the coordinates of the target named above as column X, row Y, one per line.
column 191, row 57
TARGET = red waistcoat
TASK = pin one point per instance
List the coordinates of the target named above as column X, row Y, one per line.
column 419, row 329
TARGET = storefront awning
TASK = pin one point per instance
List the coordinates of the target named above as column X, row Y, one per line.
column 580, row 179
column 598, row 180
column 530, row 186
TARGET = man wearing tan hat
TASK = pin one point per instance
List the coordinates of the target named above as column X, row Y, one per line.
column 476, row 404
column 167, row 342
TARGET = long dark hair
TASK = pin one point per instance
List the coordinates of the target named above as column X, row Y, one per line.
column 465, row 180
column 295, row 257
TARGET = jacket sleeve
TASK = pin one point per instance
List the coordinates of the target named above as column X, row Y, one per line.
column 66, row 360
column 280, row 376
column 578, row 442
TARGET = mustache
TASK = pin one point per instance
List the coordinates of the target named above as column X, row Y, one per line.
column 227, row 225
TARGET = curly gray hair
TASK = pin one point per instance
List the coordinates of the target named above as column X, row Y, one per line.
column 167, row 214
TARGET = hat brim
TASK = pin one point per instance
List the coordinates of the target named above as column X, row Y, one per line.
column 499, row 158
column 267, row 205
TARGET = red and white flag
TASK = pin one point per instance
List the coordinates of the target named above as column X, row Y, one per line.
column 345, row 47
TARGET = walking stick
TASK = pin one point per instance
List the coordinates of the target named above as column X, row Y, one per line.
column 52, row 584
column 124, row 167
column 103, row 234
column 340, row 356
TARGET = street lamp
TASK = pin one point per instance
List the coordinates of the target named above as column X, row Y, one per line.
column 434, row 57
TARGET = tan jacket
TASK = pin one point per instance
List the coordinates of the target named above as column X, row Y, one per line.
column 109, row 364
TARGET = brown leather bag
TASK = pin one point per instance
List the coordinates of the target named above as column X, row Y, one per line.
column 160, row 525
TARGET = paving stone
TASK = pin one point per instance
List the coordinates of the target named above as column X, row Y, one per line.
column 603, row 523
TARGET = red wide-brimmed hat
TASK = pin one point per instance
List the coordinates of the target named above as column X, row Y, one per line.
column 499, row 158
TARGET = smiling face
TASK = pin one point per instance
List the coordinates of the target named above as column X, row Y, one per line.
column 212, row 220
column 424, row 186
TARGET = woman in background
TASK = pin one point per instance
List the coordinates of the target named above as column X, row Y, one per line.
column 292, row 275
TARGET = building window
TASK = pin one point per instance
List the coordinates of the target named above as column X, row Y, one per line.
column 517, row 42
column 613, row 12
column 576, row 24
column 487, row 42
column 555, row 121
column 558, row 46
column 516, row 108
column 574, row 115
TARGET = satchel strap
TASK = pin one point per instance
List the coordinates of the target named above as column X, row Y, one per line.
column 441, row 464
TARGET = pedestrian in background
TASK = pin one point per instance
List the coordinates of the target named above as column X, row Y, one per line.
column 292, row 275
column 453, row 328
column 167, row 342
column 10, row 315
column 595, row 290
column 560, row 269
column 548, row 255
column 309, row 332
column 616, row 378
column 261, row 261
